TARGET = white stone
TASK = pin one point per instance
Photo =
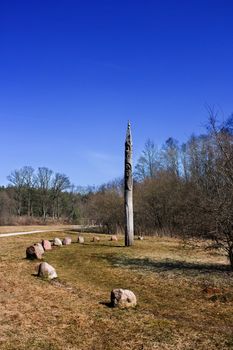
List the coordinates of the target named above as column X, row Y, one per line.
column 80, row 239
column 66, row 241
column 114, row 238
column 123, row 298
column 40, row 247
column 47, row 271
column 57, row 242
column 33, row 252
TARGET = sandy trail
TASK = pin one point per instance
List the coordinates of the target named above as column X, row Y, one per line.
column 37, row 231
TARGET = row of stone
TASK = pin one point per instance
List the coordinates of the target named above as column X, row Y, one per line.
column 122, row 298
column 36, row 250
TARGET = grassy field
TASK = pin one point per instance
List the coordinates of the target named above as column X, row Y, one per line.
column 12, row 229
column 175, row 309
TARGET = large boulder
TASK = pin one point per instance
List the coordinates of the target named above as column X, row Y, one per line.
column 40, row 247
column 95, row 239
column 123, row 298
column 46, row 271
column 33, row 252
column 66, row 241
column 114, row 238
column 80, row 239
column 46, row 245
column 57, row 242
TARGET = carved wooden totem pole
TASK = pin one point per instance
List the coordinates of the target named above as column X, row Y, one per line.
column 129, row 229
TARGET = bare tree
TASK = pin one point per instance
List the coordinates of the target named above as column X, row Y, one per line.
column 6, row 208
column 149, row 162
column 60, row 182
column 221, row 175
column 17, row 179
column 170, row 156
column 106, row 208
column 29, row 184
column 44, row 184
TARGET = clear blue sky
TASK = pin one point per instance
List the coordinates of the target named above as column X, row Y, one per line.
column 73, row 72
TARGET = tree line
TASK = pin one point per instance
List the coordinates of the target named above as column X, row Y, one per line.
column 184, row 190
column 38, row 196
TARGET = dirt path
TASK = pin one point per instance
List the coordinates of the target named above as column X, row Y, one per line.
column 36, row 231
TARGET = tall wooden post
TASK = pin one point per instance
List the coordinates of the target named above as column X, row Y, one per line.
column 129, row 229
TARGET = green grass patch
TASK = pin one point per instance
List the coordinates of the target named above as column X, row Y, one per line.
column 168, row 278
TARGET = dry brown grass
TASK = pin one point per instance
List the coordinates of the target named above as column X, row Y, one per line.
column 173, row 312
column 12, row 229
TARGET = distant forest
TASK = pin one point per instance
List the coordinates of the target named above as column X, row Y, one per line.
column 184, row 190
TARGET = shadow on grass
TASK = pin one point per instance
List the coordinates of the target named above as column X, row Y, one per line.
column 166, row 265
column 107, row 303
column 108, row 245
column 99, row 244
column 34, row 274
